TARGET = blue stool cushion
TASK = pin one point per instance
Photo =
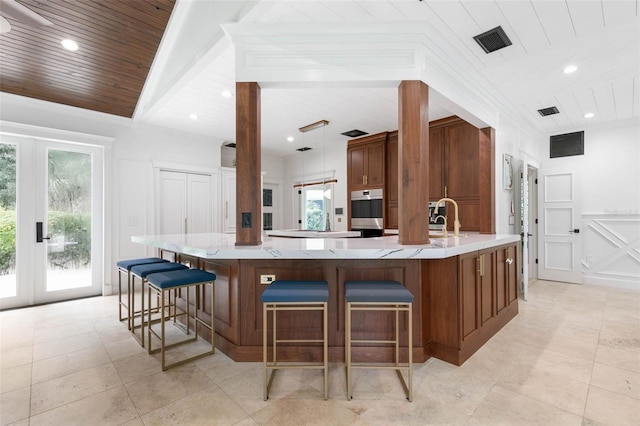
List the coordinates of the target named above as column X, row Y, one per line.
column 143, row 270
column 377, row 291
column 179, row 278
column 128, row 264
column 296, row 291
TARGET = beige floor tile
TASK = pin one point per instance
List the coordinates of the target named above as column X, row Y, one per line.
column 620, row 358
column 307, row 412
column 112, row 407
column 62, row 365
column 220, row 367
column 246, row 390
column 14, row 405
column 13, row 378
column 72, row 387
column 621, row 335
column 65, row 345
column 615, row 379
column 124, row 348
column 15, row 357
column 559, row 391
column 611, row 408
column 155, row 391
column 210, row 406
column 533, row 358
column 67, row 327
column 504, row 407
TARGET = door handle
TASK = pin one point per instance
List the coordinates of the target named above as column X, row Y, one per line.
column 575, row 231
column 39, row 235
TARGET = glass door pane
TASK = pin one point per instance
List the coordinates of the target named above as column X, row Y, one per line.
column 69, row 216
column 8, row 179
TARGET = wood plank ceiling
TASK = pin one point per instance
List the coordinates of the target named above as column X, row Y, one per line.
column 117, row 39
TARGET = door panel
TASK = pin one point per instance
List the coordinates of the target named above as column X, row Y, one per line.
column 199, row 212
column 560, row 248
column 60, row 186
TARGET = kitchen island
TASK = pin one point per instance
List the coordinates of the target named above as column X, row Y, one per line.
column 465, row 289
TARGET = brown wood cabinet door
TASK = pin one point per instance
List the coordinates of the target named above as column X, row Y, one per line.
column 356, row 166
column 391, row 194
column 487, row 263
column 502, row 279
column 436, row 162
column 374, row 165
column 461, row 162
column 469, row 296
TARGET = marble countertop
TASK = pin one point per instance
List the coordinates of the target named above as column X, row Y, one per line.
column 300, row 233
column 222, row 246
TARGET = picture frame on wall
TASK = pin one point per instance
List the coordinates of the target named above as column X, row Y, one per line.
column 507, row 171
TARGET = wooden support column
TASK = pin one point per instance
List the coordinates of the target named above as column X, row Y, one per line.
column 487, row 180
column 413, row 162
column 248, row 156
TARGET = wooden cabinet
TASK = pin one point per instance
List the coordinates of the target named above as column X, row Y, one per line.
column 481, row 289
column 391, row 186
column 454, row 168
column 366, row 162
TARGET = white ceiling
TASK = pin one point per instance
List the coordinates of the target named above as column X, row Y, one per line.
column 601, row 37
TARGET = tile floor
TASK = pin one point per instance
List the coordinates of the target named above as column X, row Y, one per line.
column 571, row 357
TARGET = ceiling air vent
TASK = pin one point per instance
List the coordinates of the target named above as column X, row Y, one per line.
column 303, row 149
column 354, row 133
column 230, row 145
column 493, row 40
column 548, row 111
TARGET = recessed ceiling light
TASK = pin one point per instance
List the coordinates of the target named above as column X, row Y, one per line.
column 290, row 139
column 69, row 44
column 589, row 115
column 570, row 69
column 227, row 94
column 193, row 116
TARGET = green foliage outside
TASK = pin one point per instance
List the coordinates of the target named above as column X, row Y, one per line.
column 314, row 215
column 69, row 223
column 73, row 249
column 7, row 240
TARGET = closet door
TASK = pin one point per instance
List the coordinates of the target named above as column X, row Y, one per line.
column 184, row 204
column 199, row 214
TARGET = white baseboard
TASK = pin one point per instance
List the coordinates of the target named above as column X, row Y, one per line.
column 629, row 284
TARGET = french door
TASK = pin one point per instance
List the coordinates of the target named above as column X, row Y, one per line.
column 50, row 221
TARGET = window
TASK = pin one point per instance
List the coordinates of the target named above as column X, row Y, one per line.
column 315, row 207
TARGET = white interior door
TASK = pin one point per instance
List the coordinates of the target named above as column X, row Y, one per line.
column 199, row 210
column 172, row 203
column 228, row 201
column 184, row 203
column 560, row 239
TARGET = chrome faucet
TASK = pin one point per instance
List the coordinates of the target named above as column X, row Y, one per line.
column 456, row 222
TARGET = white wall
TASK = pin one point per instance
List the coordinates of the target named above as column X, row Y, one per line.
column 608, row 187
column 313, row 166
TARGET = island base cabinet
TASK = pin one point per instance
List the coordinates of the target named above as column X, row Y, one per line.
column 472, row 296
column 460, row 302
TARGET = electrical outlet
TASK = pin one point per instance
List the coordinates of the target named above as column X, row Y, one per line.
column 267, row 279
column 590, row 258
column 246, row 219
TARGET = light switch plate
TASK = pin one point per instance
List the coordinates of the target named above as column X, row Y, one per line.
column 267, row 279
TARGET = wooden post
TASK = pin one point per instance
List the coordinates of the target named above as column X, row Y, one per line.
column 248, row 156
column 413, row 162
column 487, row 180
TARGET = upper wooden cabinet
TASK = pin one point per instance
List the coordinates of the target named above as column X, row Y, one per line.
column 366, row 162
column 460, row 167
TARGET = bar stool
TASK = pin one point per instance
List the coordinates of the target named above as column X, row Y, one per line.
column 141, row 272
column 283, row 295
column 161, row 284
column 124, row 267
column 371, row 295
